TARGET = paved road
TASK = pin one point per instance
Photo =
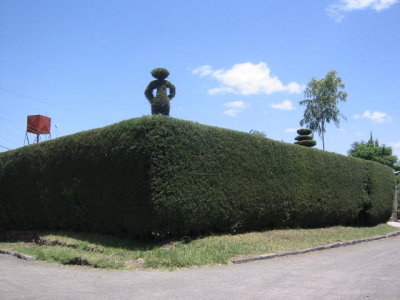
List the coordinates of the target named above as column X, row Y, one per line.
column 364, row 271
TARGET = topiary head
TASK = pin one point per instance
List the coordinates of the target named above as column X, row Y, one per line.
column 160, row 73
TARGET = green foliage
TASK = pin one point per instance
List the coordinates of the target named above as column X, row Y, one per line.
column 95, row 180
column 158, row 175
column 321, row 101
column 160, row 73
column 397, row 169
column 306, row 143
column 160, row 102
column 258, row 133
column 372, row 151
column 304, row 131
column 304, row 138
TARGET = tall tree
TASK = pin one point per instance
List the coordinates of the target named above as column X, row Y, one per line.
column 322, row 97
column 373, row 151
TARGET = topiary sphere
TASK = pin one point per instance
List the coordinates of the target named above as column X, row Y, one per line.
column 306, row 143
column 160, row 73
column 304, row 131
column 303, row 137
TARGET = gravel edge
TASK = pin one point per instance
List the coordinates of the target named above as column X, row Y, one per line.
column 329, row 246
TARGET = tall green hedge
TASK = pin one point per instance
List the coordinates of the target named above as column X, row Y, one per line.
column 159, row 175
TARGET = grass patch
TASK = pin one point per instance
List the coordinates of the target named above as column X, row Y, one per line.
column 104, row 251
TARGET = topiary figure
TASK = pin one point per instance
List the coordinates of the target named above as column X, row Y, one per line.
column 305, row 138
column 160, row 102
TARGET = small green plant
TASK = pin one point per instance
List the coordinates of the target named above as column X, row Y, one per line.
column 305, row 138
column 160, row 102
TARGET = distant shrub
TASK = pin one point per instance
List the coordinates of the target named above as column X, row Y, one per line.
column 163, row 176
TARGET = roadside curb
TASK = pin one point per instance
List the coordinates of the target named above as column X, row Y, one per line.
column 19, row 255
column 329, row 246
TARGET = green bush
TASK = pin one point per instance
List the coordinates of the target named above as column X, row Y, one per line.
column 306, row 143
column 159, row 175
column 304, row 138
column 304, row 131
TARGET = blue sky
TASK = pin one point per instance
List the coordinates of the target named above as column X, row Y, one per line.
column 240, row 65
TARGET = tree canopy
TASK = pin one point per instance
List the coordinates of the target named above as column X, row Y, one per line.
column 322, row 97
column 371, row 150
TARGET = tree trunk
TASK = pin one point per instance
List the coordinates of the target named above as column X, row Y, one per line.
column 323, row 141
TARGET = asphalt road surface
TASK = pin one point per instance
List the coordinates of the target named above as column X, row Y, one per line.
column 364, row 271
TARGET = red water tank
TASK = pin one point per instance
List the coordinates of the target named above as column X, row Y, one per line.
column 38, row 124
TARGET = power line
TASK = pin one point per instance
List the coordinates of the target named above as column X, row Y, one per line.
column 51, row 104
column 5, row 147
column 9, row 141
column 12, row 125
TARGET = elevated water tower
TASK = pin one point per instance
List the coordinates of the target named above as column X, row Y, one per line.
column 38, row 125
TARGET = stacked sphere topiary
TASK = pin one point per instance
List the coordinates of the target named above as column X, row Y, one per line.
column 305, row 138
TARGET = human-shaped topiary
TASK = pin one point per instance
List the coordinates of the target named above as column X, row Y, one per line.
column 305, row 138
column 160, row 102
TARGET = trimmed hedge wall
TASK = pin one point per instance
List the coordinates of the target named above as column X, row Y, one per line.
column 159, row 175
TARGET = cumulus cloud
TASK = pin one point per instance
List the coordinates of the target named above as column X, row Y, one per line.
column 234, row 108
column 246, row 79
column 203, row 70
column 291, row 130
column 338, row 9
column 284, row 105
column 375, row 116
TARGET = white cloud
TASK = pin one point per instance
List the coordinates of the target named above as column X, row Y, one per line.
column 231, row 112
column 375, row 116
column 284, row 105
column 246, row 79
column 235, row 107
column 290, row 130
column 364, row 4
column 340, row 8
column 236, row 104
column 221, row 90
column 203, row 70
